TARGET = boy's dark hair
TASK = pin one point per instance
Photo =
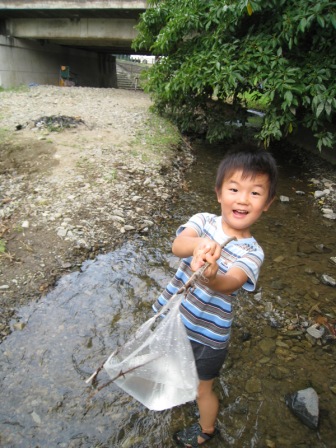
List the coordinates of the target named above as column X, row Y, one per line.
column 252, row 162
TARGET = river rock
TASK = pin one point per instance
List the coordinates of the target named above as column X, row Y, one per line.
column 329, row 215
column 267, row 346
column 316, row 331
column 284, row 199
column 327, row 280
column 319, row 194
column 253, row 385
column 305, row 405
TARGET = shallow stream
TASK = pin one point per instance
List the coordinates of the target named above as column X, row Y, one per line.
column 69, row 333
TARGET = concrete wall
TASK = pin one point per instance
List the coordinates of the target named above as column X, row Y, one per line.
column 24, row 62
column 70, row 4
column 84, row 32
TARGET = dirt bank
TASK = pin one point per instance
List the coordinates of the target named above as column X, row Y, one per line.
column 81, row 170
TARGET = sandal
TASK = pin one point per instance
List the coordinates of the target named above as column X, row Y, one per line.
column 189, row 437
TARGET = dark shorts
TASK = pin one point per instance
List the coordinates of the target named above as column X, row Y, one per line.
column 208, row 360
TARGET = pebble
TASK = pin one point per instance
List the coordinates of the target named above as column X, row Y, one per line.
column 19, row 326
column 316, row 331
column 305, row 405
column 327, row 280
column 319, row 194
column 329, row 215
column 253, row 385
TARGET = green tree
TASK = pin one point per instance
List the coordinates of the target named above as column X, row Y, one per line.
column 216, row 53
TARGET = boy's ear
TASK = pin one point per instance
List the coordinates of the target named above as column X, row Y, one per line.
column 218, row 194
column 267, row 206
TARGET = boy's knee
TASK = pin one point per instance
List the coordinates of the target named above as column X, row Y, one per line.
column 205, row 389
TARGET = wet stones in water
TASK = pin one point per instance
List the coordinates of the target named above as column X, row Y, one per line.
column 305, row 405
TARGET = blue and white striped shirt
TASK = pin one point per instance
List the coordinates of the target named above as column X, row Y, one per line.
column 207, row 314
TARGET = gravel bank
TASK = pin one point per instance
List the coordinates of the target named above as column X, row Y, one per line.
column 72, row 188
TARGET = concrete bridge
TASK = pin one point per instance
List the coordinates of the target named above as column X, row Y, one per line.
column 36, row 37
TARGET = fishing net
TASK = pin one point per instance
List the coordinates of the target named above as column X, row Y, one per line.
column 156, row 366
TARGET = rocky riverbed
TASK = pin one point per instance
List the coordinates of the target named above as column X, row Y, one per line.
column 84, row 170
column 81, row 170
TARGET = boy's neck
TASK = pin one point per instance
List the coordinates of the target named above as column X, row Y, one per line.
column 238, row 233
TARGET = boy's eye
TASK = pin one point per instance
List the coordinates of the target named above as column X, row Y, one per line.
column 234, row 190
column 255, row 193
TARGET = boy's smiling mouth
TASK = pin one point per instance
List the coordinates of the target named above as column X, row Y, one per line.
column 240, row 212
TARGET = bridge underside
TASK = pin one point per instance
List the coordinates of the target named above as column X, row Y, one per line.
column 38, row 37
column 105, row 35
column 108, row 27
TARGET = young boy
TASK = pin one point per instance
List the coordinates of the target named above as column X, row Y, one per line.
column 245, row 188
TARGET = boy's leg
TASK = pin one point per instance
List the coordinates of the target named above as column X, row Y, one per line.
column 208, row 406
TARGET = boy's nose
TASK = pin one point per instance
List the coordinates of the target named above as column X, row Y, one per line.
column 243, row 198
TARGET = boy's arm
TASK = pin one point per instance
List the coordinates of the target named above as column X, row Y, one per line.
column 188, row 243
column 227, row 283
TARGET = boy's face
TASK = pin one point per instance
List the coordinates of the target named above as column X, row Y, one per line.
column 242, row 201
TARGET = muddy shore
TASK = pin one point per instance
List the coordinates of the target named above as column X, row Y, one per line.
column 82, row 170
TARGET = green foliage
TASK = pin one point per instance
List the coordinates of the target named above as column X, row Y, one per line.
column 21, row 88
column 157, row 135
column 218, row 55
column 2, row 246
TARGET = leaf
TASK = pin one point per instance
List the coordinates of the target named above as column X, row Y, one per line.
column 215, row 92
column 320, row 21
column 303, row 24
column 328, row 108
column 290, row 128
column 288, row 97
column 319, row 109
column 249, row 9
column 333, row 20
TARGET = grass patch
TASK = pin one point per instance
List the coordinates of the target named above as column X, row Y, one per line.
column 157, row 136
column 2, row 246
column 22, row 88
column 111, row 176
column 4, row 133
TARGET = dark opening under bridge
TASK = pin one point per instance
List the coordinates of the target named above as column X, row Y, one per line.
column 37, row 37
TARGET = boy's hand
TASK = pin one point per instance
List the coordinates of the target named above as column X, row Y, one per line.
column 207, row 251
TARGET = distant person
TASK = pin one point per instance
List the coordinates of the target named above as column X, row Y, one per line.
column 245, row 188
